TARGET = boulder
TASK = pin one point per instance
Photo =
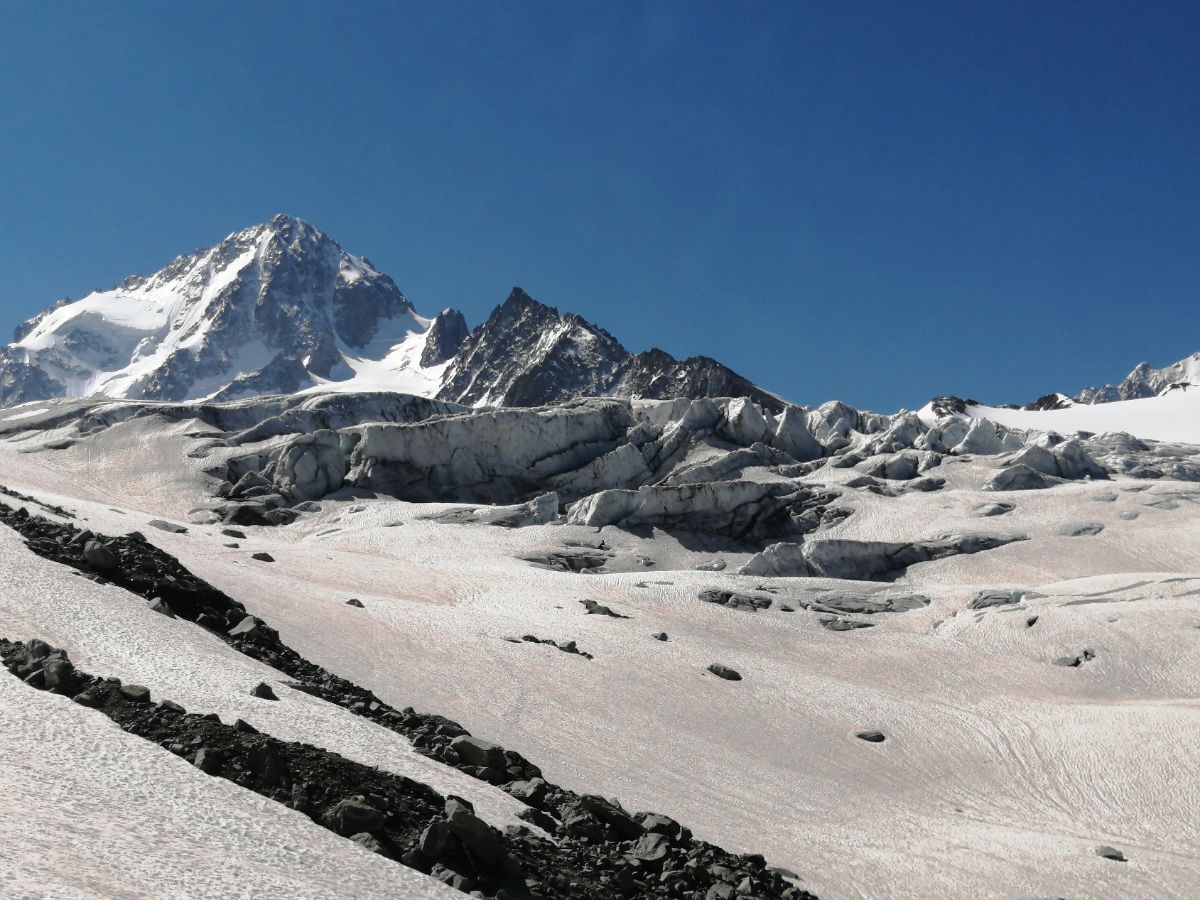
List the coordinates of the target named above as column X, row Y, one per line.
column 352, row 816
column 100, row 557
column 475, row 751
column 171, row 527
column 651, row 848
column 725, row 672
column 136, row 692
column 263, row 691
column 484, row 844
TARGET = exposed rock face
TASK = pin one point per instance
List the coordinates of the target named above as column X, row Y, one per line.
column 446, row 336
column 528, row 354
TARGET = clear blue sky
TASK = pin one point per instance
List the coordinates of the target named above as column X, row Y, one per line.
column 876, row 202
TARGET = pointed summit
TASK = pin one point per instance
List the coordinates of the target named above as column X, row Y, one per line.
column 277, row 307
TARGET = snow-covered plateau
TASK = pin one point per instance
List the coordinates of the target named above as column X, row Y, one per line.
column 402, row 609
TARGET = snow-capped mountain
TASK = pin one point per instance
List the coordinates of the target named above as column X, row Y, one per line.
column 282, row 308
column 1144, row 381
column 527, row 354
column 275, row 308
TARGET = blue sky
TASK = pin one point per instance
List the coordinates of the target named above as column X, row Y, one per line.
column 871, row 202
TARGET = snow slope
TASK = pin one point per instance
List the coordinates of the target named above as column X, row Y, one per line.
column 1173, row 416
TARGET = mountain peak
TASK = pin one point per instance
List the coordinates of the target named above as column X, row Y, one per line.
column 277, row 307
column 1145, row 381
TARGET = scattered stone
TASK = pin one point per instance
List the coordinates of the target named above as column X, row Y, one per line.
column 592, row 608
column 100, row 557
column 234, row 533
column 1074, row 662
column 136, row 692
column 167, row 526
column 159, row 605
column 735, row 600
column 565, row 646
column 355, row 603
column 660, row 636
column 367, row 842
column 872, row 737
column 477, row 752
column 263, row 691
column 713, row 565
column 262, row 557
column 353, row 816
column 725, row 672
column 252, row 628
column 1111, row 853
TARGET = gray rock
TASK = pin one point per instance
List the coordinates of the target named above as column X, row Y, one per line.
column 263, row 691
column 477, row 752
column 873, row 737
column 532, row 792
column 208, row 760
column 159, row 605
column 251, row 628
column 100, row 557
column 353, row 816
column 1111, row 853
column 725, row 672
column 482, row 841
column 651, row 848
column 167, row 526
column 364, row 840
column 136, row 692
